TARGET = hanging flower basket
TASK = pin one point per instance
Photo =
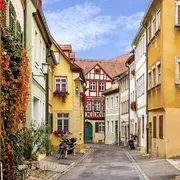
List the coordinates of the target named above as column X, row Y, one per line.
column 84, row 98
column 61, row 132
column 133, row 72
column 61, row 94
column 133, row 106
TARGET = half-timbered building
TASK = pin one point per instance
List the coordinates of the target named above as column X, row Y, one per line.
column 99, row 76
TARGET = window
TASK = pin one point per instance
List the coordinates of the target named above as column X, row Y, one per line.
column 107, row 126
column 101, row 127
column 18, row 30
column 124, row 107
column 97, row 106
column 37, row 109
column 56, row 54
column 88, row 106
column 63, row 121
column 112, row 126
column 107, row 103
column 158, row 19
column 154, row 127
column 44, row 54
column 93, row 86
column 61, row 83
column 177, row 13
column 40, row 53
column 158, row 73
column 140, row 86
column 142, row 126
column 117, row 101
column 161, row 127
column 178, row 69
column 36, row 47
column 153, row 76
column 150, row 80
column 112, row 102
column 101, row 86
column 149, row 33
column 153, row 26
column 97, row 71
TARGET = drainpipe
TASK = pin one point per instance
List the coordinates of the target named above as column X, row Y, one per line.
column 127, row 65
column 119, row 113
column 147, row 115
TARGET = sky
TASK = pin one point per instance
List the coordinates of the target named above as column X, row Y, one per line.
column 96, row 29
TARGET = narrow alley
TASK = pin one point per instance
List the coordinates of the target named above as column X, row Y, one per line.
column 115, row 163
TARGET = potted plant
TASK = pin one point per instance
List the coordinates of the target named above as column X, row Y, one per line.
column 61, row 132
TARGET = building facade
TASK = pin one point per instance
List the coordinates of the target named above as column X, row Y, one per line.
column 123, row 81
column 162, row 24
column 112, row 114
column 38, row 44
column 67, row 110
column 99, row 76
column 141, row 82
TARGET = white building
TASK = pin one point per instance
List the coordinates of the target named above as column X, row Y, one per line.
column 133, row 120
column 140, row 76
column 123, row 81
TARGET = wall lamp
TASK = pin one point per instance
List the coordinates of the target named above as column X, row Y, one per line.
column 45, row 67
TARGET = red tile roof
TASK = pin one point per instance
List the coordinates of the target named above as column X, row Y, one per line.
column 112, row 67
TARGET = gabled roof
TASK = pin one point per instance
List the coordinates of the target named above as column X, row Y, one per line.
column 112, row 67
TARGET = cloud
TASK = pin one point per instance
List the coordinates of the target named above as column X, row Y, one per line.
column 81, row 25
column 48, row 2
column 85, row 28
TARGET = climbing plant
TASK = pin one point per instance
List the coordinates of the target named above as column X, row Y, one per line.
column 14, row 78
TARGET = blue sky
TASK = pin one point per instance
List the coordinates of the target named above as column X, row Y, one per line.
column 97, row 29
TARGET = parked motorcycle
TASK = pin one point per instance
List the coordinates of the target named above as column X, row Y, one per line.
column 67, row 146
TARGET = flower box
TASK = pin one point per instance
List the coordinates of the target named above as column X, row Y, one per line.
column 61, row 94
column 61, row 132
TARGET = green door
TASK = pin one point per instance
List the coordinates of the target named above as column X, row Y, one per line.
column 88, row 132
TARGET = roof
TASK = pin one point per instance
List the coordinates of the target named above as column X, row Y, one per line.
column 112, row 67
column 114, row 88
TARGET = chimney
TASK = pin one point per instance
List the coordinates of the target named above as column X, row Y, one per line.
column 72, row 56
column 67, row 49
column 39, row 3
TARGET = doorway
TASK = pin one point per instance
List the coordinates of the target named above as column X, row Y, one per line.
column 88, row 132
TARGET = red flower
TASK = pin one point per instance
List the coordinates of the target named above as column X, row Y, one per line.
column 133, row 72
column 84, row 98
column 133, row 105
column 2, row 4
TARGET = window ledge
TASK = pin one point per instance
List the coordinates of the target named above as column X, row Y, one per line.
column 177, row 26
column 158, row 85
column 158, row 32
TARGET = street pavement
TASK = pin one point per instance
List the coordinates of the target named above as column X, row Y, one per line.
column 108, row 162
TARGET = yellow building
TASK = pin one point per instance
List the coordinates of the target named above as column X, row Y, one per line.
column 162, row 23
column 68, row 113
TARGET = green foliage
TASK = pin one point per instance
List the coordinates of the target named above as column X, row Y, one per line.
column 36, row 141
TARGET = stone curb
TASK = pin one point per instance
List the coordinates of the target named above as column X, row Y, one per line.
column 174, row 163
column 139, row 171
column 65, row 170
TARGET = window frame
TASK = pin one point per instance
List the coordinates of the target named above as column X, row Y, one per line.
column 57, row 57
column 154, row 127
column 61, row 77
column 100, row 85
column 99, row 105
column 176, row 16
column 101, row 127
column 90, row 105
column 62, row 119
column 90, row 86
column 177, row 61
column 117, row 101
column 158, row 19
column 161, row 128
column 158, row 73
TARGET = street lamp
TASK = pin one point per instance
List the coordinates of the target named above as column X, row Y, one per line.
column 45, row 67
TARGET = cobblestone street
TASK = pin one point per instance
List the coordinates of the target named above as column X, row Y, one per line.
column 115, row 163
